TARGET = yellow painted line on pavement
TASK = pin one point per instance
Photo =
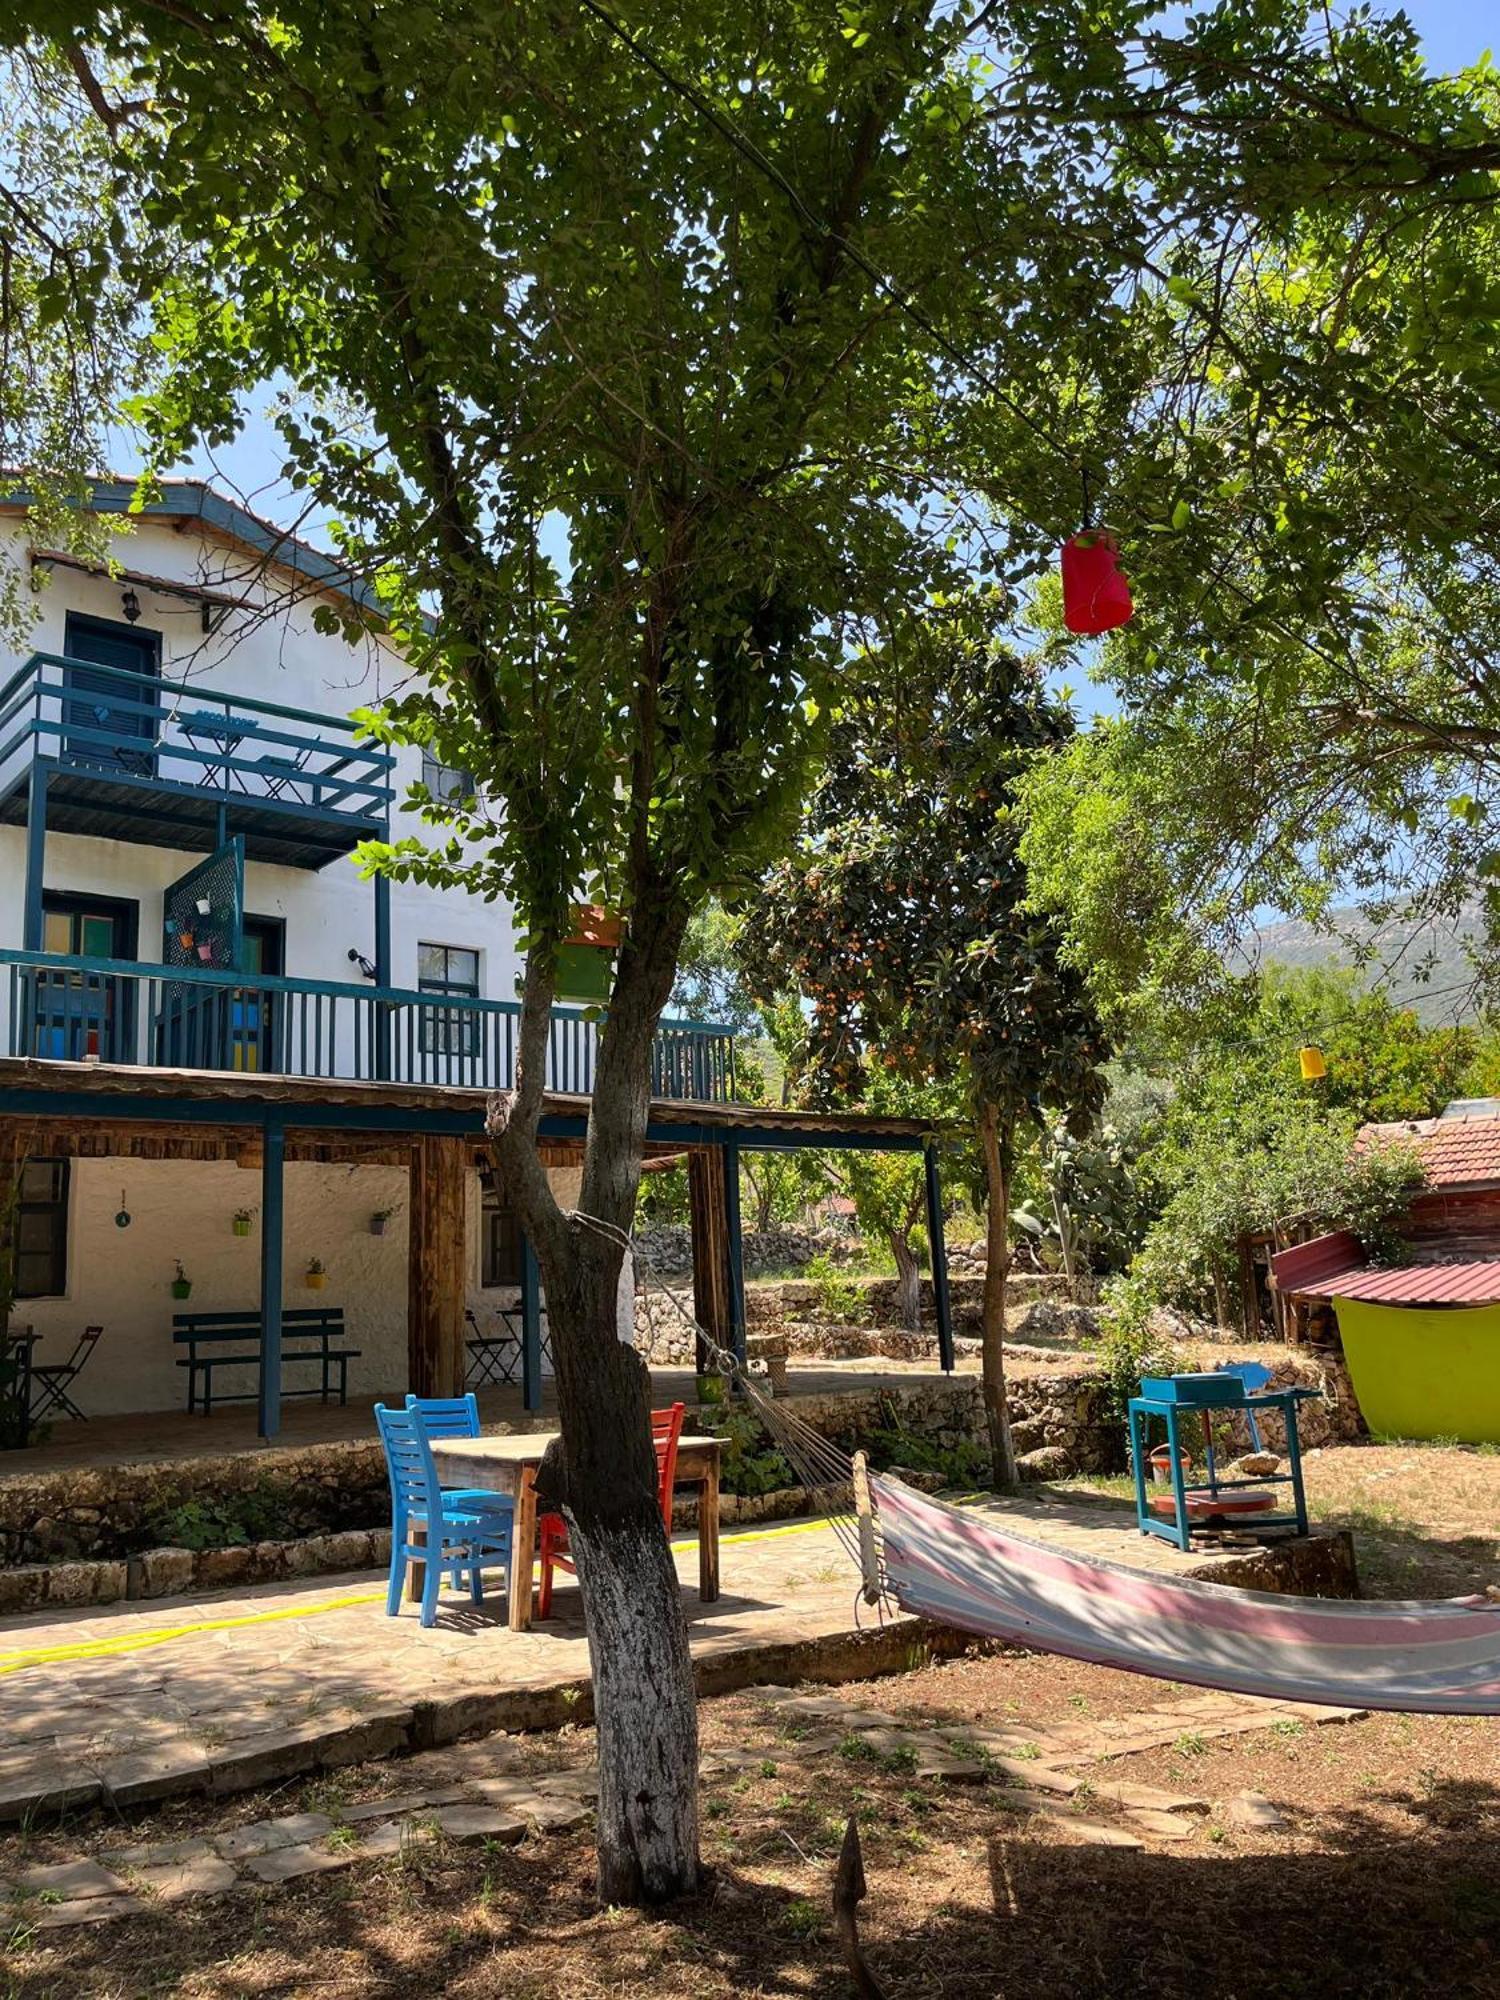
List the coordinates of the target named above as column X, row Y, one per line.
column 164, row 1635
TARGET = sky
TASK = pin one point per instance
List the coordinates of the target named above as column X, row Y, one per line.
column 1455, row 33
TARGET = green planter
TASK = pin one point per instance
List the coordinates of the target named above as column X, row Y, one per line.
column 182, row 1288
column 711, row 1389
column 241, row 1225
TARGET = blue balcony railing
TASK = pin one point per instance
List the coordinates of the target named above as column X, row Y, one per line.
column 64, row 1009
column 133, row 756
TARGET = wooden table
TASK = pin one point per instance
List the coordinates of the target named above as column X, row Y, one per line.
column 509, row 1465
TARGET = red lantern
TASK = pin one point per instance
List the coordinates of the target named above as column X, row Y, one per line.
column 1096, row 592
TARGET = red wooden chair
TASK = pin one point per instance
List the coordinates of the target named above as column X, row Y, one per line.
column 552, row 1529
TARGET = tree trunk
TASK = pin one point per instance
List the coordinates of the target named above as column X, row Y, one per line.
column 908, row 1280
column 602, row 1474
column 995, row 1141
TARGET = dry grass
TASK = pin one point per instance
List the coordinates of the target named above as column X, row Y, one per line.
column 1385, row 1881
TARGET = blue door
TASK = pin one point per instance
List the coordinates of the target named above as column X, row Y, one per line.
column 111, row 696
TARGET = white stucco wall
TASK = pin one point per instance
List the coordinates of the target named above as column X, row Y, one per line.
column 120, row 1279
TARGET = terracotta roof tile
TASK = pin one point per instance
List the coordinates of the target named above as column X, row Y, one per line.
column 1457, row 1152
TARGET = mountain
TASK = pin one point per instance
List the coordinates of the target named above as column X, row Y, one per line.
column 1424, row 964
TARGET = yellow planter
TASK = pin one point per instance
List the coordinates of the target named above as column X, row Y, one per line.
column 1425, row 1371
column 315, row 1280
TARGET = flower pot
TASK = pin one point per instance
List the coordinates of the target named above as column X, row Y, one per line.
column 185, row 939
column 203, row 906
column 315, row 1280
column 1160, row 1462
column 377, row 1225
column 241, row 1225
column 206, row 953
column 182, row 1288
column 710, row 1388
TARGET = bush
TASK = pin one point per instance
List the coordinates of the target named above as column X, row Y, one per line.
column 227, row 1523
column 750, row 1464
column 839, row 1299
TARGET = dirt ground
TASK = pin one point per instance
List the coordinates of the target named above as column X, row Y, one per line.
column 1383, row 1881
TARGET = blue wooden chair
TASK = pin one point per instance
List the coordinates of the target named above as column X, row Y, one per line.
column 455, row 1417
column 458, row 1541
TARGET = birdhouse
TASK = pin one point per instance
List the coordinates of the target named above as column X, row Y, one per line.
column 1096, row 592
column 1313, row 1066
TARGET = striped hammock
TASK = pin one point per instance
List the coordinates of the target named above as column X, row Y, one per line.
column 953, row 1565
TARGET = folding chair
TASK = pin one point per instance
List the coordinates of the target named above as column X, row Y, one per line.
column 50, row 1386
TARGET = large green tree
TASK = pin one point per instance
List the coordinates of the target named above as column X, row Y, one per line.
column 1309, row 717
column 650, row 361
column 902, row 916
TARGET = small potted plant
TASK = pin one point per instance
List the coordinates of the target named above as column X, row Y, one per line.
column 204, row 907
column 185, row 938
column 242, row 1220
column 379, row 1219
column 316, row 1277
column 206, row 951
column 182, row 1284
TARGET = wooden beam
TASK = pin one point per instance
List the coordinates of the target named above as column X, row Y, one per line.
column 709, row 1215
column 438, row 1266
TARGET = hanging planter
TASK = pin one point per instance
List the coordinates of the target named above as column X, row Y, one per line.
column 1096, row 591
column 241, row 1222
column 182, row 1285
column 206, row 953
column 185, row 939
column 315, row 1277
column 203, row 906
column 378, row 1221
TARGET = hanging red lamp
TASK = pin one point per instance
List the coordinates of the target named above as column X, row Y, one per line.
column 1096, row 591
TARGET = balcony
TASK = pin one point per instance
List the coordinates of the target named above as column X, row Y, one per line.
column 128, row 756
column 64, row 1009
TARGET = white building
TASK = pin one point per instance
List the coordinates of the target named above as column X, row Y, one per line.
column 181, row 793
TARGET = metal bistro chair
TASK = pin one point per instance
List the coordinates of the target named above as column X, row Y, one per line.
column 455, row 1417
column 50, row 1385
column 457, row 1541
column 494, row 1358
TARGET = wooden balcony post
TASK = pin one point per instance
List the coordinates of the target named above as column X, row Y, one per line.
column 709, row 1217
column 437, row 1266
column 271, row 1209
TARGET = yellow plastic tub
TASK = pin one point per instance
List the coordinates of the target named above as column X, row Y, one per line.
column 1425, row 1371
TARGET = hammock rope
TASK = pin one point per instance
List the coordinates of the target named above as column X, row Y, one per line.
column 819, row 1467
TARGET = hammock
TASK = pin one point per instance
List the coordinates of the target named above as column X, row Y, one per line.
column 964, row 1569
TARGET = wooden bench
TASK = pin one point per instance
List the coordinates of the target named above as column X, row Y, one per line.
column 233, row 1340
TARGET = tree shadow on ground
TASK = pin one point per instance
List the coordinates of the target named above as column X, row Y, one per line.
column 1023, row 1914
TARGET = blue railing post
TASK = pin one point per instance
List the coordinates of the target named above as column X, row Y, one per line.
column 380, row 1020
column 36, row 857
column 531, row 1327
column 937, row 1243
column 272, row 1204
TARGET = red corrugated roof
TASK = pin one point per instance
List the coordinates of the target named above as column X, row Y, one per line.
column 1414, row 1285
column 1457, row 1152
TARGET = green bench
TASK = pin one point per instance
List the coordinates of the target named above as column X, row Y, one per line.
column 309, row 1335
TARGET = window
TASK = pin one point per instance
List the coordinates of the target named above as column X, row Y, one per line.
column 449, row 968
column 41, row 1234
column 445, row 781
column 500, row 1239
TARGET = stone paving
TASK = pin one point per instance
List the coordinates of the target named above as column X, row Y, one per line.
column 1045, row 1769
column 218, row 1694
